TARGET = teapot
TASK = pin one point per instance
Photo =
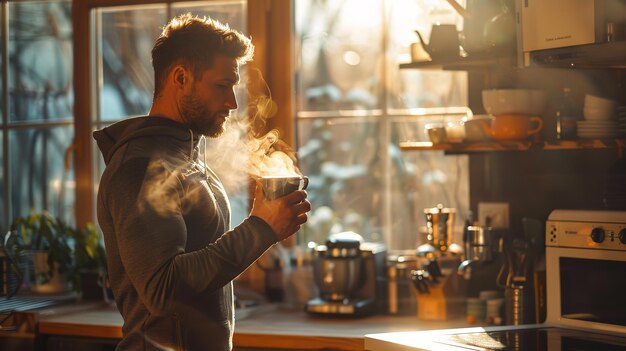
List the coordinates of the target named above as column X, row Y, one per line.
column 443, row 42
column 487, row 24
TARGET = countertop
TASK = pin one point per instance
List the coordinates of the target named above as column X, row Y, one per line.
column 272, row 326
column 425, row 340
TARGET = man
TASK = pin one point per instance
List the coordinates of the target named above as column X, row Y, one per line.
column 164, row 213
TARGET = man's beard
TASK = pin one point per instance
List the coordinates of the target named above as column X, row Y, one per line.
column 199, row 118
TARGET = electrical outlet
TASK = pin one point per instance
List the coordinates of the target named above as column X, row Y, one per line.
column 494, row 213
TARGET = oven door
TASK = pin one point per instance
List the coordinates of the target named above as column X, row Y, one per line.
column 586, row 288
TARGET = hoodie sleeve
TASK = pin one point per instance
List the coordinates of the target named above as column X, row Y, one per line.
column 151, row 241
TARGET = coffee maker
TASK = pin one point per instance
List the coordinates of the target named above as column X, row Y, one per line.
column 350, row 276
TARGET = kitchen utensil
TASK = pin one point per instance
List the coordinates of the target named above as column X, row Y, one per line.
column 440, row 292
column 480, row 246
column 516, row 305
column 420, row 278
column 400, row 293
column 440, row 224
column 434, row 270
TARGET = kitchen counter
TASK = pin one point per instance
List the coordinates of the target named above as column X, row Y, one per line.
column 269, row 326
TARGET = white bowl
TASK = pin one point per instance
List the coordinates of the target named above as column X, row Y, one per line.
column 514, row 101
column 597, row 102
column 597, row 114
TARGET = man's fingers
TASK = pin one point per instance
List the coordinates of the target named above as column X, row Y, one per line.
column 295, row 197
column 302, row 207
column 301, row 218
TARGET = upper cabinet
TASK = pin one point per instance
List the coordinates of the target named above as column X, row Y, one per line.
column 609, row 55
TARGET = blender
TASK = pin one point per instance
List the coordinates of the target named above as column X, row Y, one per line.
column 349, row 274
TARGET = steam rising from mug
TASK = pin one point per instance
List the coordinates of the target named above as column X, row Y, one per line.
column 243, row 151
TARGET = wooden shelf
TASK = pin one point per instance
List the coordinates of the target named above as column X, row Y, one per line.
column 513, row 145
column 480, row 60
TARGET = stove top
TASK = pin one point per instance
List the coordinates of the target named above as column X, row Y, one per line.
column 535, row 339
column 585, row 269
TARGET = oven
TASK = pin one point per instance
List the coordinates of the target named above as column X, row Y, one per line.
column 586, row 295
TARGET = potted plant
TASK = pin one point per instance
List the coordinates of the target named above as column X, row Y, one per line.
column 45, row 244
column 89, row 275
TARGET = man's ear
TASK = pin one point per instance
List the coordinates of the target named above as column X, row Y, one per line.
column 180, row 76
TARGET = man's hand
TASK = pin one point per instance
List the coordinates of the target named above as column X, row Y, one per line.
column 285, row 215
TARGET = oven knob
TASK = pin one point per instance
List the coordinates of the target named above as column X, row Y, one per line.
column 622, row 236
column 597, row 235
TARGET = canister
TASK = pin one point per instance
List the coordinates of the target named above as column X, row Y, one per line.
column 401, row 299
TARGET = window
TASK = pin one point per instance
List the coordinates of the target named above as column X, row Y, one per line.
column 124, row 36
column 36, row 115
column 354, row 106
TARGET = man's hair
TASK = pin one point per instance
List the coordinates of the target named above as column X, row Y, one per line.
column 194, row 42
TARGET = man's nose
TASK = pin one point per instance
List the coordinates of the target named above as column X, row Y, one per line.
column 231, row 101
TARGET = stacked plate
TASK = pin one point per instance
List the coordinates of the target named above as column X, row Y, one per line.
column 597, row 129
column 621, row 120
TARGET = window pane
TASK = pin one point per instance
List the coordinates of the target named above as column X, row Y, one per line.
column 231, row 12
column 3, row 221
column 424, row 180
column 394, row 186
column 415, row 88
column 342, row 158
column 40, row 177
column 125, row 41
column 341, row 54
column 2, row 103
column 40, row 61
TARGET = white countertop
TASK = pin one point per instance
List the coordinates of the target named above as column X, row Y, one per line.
column 423, row 340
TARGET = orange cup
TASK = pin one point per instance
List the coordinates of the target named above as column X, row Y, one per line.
column 513, row 127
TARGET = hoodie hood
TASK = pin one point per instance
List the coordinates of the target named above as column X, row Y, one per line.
column 111, row 138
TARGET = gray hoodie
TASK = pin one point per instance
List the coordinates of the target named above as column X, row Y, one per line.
column 171, row 256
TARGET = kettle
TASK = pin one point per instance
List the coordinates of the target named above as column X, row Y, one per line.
column 443, row 42
column 487, row 24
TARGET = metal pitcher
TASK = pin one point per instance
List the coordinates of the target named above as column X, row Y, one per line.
column 439, row 226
